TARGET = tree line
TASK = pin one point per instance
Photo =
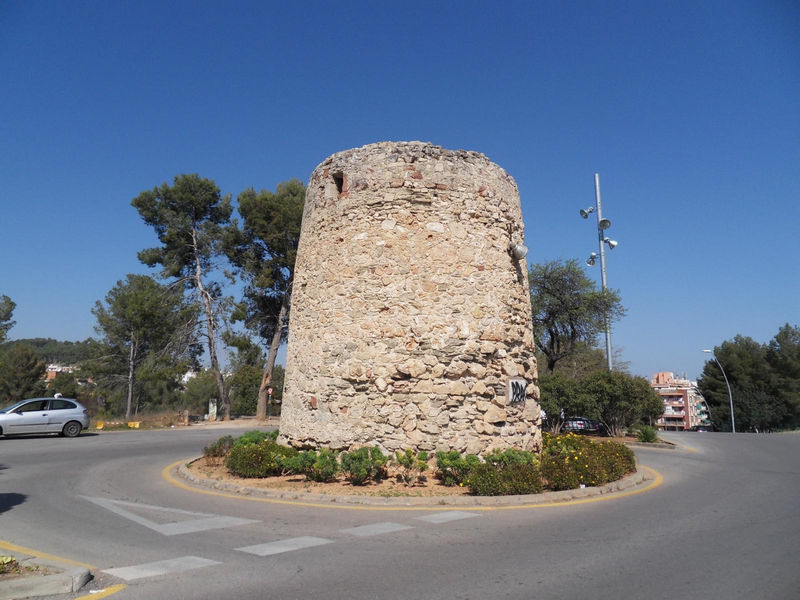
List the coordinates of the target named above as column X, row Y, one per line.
column 764, row 382
column 153, row 330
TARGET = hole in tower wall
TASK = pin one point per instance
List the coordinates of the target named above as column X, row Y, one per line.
column 338, row 179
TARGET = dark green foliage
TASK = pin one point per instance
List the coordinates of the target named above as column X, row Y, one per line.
column 148, row 332
column 263, row 459
column 412, row 465
column 191, row 218
column 319, row 466
column 571, row 460
column 243, row 385
column 561, row 395
column 7, row 306
column 254, row 436
column 199, row 391
column 647, row 434
column 511, row 456
column 273, row 435
column 452, row 468
column 364, row 464
column 220, row 448
column 621, row 400
column 567, row 309
column 21, row 374
column 764, row 381
column 54, row 351
column 264, row 252
column 504, row 479
column 65, row 384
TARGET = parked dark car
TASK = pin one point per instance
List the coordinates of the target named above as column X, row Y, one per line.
column 701, row 428
column 64, row 416
column 582, row 425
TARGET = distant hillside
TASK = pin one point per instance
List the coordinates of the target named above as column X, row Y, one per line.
column 53, row 351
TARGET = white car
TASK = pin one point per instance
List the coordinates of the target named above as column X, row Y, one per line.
column 64, row 416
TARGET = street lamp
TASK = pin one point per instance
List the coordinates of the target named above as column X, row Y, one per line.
column 602, row 225
column 730, row 396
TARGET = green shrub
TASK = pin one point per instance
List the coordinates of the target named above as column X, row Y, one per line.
column 253, row 436
column 570, row 460
column 364, row 464
column 511, row 456
column 452, row 468
column 319, row 466
column 411, row 465
column 272, row 435
column 647, row 434
column 262, row 459
column 220, row 448
column 300, row 463
column 504, row 480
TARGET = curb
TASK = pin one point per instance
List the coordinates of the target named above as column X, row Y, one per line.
column 69, row 579
column 662, row 445
column 544, row 498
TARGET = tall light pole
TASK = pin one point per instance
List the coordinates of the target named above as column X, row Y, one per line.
column 602, row 225
column 730, row 396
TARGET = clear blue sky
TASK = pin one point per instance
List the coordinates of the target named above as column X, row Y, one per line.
column 689, row 111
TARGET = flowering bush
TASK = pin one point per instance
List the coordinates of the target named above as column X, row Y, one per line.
column 571, row 460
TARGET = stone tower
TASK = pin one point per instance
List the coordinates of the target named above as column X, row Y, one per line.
column 411, row 319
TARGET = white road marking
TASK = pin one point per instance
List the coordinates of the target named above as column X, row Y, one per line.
column 287, row 545
column 375, row 529
column 200, row 522
column 161, row 567
column 447, row 516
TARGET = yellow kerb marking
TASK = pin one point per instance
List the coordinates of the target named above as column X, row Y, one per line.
column 30, row 551
column 104, row 593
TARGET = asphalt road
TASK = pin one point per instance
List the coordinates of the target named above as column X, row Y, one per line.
column 725, row 523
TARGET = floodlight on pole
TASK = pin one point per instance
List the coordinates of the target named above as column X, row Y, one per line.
column 730, row 396
column 602, row 225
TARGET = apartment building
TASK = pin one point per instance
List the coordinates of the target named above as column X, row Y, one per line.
column 684, row 405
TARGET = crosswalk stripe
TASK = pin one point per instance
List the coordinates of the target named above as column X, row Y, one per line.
column 447, row 516
column 286, row 545
column 161, row 567
column 375, row 529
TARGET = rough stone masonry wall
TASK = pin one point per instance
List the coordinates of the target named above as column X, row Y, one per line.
column 409, row 316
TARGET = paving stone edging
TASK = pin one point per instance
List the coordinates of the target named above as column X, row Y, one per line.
column 627, row 482
column 68, row 579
